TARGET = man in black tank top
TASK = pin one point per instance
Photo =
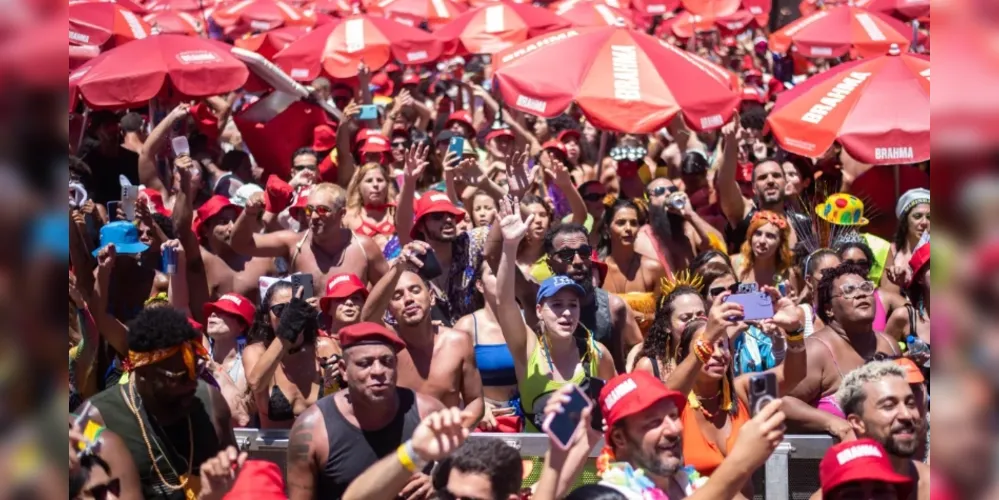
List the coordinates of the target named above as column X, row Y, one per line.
column 170, row 420
column 335, row 441
column 606, row 315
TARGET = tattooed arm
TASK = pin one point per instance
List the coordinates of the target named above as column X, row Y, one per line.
column 308, row 435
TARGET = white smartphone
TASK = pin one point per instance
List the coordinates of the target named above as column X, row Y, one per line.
column 180, row 146
column 129, row 195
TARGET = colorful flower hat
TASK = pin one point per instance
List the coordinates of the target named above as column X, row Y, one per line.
column 843, row 210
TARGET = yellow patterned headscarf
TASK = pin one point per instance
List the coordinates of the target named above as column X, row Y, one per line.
column 192, row 351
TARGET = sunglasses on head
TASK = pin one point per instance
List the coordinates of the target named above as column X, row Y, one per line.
column 593, row 196
column 661, row 190
column 322, row 210
column 718, row 290
column 566, row 255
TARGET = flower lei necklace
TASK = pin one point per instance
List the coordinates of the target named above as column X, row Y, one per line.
column 635, row 484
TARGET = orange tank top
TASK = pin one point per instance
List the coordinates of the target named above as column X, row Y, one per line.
column 700, row 453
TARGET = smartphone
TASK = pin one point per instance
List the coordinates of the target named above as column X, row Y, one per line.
column 129, row 194
column 561, row 426
column 762, row 390
column 304, row 280
column 457, row 146
column 431, row 266
column 88, row 428
column 755, row 305
column 180, row 146
column 368, row 112
column 592, row 388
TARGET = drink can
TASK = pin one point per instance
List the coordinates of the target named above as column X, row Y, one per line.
column 170, row 260
column 677, row 201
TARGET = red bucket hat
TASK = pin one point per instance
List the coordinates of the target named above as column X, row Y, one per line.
column 500, row 132
column 341, row 286
column 235, row 304
column 860, row 460
column 323, row 138
column 155, row 202
column 215, row 205
column 432, row 203
column 460, row 116
column 632, row 393
column 569, row 133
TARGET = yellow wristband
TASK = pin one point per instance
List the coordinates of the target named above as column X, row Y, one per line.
column 404, row 459
column 796, row 338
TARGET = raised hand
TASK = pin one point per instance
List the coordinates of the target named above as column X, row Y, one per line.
column 105, row 261
column 512, row 225
column 439, row 434
column 255, row 205
column 74, row 292
column 759, row 437
column 218, row 473
column 416, row 162
column 516, row 171
column 402, row 100
column 559, row 173
column 412, row 254
column 181, row 110
column 304, row 177
column 787, row 315
column 899, row 275
column 351, row 111
column 721, row 317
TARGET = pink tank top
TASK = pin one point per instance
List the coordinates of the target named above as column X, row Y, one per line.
column 880, row 315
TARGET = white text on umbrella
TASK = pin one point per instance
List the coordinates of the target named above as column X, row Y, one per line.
column 624, row 64
column 836, row 95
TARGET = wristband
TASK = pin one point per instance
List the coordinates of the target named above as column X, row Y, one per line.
column 703, row 350
column 798, row 336
column 405, row 459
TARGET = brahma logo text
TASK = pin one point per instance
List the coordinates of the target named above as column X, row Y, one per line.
column 836, row 95
column 198, row 57
column 903, row 153
column 619, row 392
column 79, row 37
column 859, row 451
column 624, row 68
column 537, row 45
column 531, row 104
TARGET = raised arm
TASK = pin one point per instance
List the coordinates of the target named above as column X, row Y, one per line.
column 111, row 329
column 344, row 144
column 416, row 163
column 559, row 174
column 410, row 257
column 733, row 205
column 177, row 289
column 519, row 338
column 194, row 269
column 247, row 238
column 148, row 175
column 790, row 320
column 516, row 126
column 682, row 378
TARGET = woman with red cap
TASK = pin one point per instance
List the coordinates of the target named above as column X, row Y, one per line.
column 343, row 301
column 226, row 323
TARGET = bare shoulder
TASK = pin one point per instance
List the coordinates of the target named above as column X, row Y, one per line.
column 367, row 244
column 427, row 404
column 465, row 323
column 252, row 353
column 653, row 266
column 454, row 339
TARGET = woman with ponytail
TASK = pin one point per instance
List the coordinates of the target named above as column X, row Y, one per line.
column 562, row 351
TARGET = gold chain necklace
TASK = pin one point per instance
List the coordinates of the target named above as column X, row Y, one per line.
column 134, row 407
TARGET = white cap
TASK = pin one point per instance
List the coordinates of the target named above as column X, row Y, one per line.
column 244, row 193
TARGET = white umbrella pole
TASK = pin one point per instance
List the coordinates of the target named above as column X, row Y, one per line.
column 915, row 36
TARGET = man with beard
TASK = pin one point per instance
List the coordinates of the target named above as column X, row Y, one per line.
column 434, row 219
column 437, row 360
column 170, row 420
column 325, row 249
column 644, row 431
column 768, row 190
column 606, row 315
column 227, row 270
column 880, row 405
column 333, row 442
column 846, row 342
column 673, row 236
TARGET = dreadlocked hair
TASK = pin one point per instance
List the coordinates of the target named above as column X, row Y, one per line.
column 661, row 344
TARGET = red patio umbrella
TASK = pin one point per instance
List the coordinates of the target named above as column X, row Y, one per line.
column 651, row 8
column 176, row 21
column 333, row 7
column 877, row 108
column 260, row 15
column 271, row 42
column 621, row 79
column 127, row 4
column 100, row 23
column 492, row 28
column 182, row 5
column 339, row 48
column 760, row 9
column 412, row 12
column 839, row 31
column 711, row 8
column 685, row 24
column 594, row 13
column 906, row 10
column 137, row 71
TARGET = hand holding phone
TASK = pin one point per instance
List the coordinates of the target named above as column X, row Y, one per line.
column 762, row 390
column 457, row 146
column 755, row 305
column 129, row 195
column 368, row 112
column 305, row 282
column 564, row 414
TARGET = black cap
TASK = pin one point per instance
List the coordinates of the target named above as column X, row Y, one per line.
column 444, row 136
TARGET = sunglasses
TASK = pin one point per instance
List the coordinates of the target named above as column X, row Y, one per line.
column 593, row 196
column 851, row 291
column 299, row 168
column 400, row 144
column 567, row 255
column 278, row 309
column 322, row 210
column 101, row 491
column 439, row 216
column 718, row 290
column 661, row 190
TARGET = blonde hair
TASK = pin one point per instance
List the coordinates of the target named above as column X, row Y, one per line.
column 354, row 199
column 785, row 257
column 337, row 192
column 851, row 395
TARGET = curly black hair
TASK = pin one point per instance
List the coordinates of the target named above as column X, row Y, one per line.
column 261, row 330
column 825, row 288
column 488, row 457
column 166, row 224
column 658, row 344
column 159, row 328
column 842, row 247
column 753, row 117
column 596, row 491
column 560, row 123
column 604, row 245
column 561, row 229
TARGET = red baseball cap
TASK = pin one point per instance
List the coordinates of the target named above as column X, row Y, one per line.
column 341, row 286
column 384, row 86
column 215, row 205
column 235, row 304
column 860, row 460
column 411, row 79
column 365, row 134
column 557, row 146
column 367, row 332
column 155, row 201
column 323, row 138
column 500, row 132
column 750, row 93
column 431, row 203
column 460, row 116
column 375, row 144
column 632, row 393
column 300, row 202
column 568, row 133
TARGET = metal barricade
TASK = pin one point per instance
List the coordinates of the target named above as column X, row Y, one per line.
column 791, row 472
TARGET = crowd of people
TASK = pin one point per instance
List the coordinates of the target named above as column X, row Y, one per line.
column 391, row 297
